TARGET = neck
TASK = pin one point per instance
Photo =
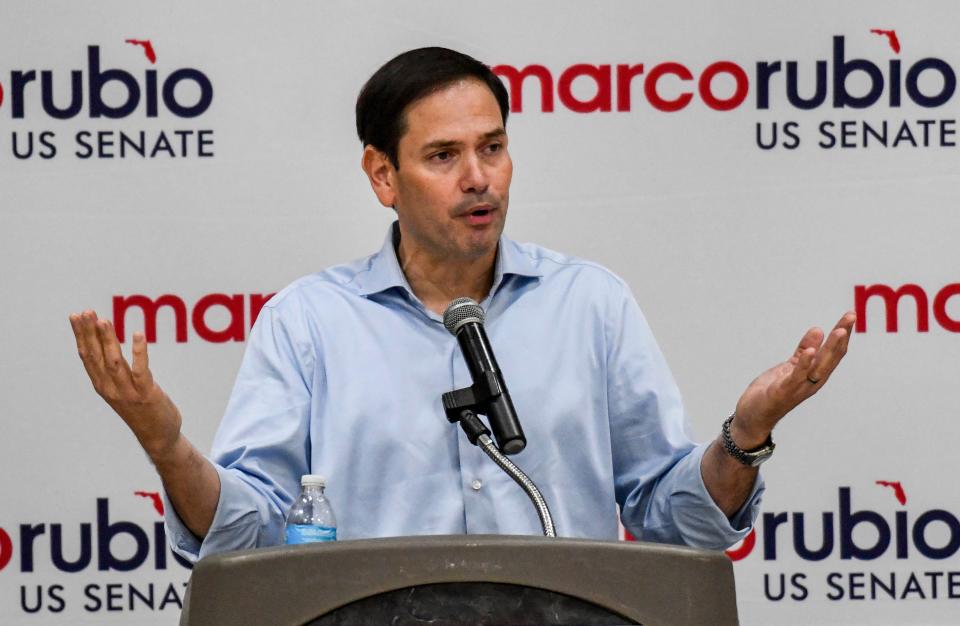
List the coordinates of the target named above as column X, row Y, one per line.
column 438, row 281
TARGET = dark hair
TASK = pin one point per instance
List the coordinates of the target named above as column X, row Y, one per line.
column 405, row 79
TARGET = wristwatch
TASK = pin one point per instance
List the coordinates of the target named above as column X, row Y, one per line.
column 751, row 458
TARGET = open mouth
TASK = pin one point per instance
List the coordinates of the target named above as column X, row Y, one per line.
column 480, row 216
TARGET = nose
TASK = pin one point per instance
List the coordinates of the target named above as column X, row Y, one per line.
column 474, row 177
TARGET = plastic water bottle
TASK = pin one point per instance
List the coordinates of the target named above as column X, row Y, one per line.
column 311, row 517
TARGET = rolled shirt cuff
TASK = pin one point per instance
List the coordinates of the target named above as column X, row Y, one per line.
column 683, row 512
column 236, row 522
column 700, row 519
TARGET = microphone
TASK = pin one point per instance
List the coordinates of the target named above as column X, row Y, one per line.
column 464, row 319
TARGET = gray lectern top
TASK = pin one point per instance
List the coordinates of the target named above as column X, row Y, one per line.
column 463, row 579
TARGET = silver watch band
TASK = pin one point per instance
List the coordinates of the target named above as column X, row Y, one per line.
column 751, row 458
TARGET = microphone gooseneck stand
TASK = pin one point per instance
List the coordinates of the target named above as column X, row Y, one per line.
column 479, row 436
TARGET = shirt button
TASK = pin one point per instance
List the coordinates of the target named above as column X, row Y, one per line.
column 476, row 484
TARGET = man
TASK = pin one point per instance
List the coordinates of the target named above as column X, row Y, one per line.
column 344, row 369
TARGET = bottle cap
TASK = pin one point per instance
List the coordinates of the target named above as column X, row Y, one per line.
column 313, row 479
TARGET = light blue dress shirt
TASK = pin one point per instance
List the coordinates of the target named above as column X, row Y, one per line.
column 343, row 375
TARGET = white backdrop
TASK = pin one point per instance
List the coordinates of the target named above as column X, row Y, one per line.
column 732, row 251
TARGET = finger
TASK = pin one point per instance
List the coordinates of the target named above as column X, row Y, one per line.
column 77, row 334
column 800, row 375
column 113, row 361
column 811, row 339
column 830, row 355
column 83, row 350
column 836, row 346
column 76, row 324
column 91, row 342
column 142, row 378
column 847, row 321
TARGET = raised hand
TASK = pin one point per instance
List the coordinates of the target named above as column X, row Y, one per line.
column 781, row 388
column 130, row 391
column 766, row 401
column 190, row 480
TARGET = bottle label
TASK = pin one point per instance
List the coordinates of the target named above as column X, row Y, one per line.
column 308, row 533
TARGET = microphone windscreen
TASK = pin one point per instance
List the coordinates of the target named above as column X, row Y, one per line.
column 462, row 311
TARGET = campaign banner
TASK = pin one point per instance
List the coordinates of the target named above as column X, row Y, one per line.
column 750, row 170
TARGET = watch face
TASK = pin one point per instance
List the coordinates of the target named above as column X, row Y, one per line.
column 761, row 457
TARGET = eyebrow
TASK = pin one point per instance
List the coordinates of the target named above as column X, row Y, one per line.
column 450, row 143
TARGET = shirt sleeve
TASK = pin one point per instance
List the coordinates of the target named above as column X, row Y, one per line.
column 657, row 476
column 262, row 446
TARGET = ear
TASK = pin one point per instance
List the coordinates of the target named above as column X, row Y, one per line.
column 381, row 173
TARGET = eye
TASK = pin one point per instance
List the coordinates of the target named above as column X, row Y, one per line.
column 442, row 156
column 494, row 147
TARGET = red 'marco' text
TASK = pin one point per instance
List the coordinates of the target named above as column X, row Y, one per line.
column 241, row 310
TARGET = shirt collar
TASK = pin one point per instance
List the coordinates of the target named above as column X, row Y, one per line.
column 385, row 272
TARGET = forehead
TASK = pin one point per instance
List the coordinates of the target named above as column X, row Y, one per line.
column 456, row 112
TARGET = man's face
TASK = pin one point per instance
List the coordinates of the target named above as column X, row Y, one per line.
column 452, row 188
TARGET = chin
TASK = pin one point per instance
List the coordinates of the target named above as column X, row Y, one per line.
column 479, row 249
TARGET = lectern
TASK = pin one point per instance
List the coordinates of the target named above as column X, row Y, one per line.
column 463, row 579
